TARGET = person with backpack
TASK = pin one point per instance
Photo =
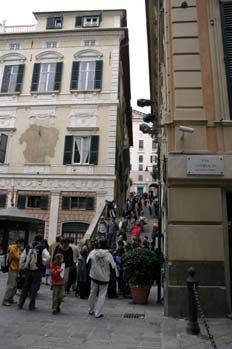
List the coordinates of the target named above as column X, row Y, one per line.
column 33, row 259
column 14, row 252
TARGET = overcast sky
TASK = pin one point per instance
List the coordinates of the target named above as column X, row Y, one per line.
column 20, row 12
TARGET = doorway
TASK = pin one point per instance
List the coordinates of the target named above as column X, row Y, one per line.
column 229, row 230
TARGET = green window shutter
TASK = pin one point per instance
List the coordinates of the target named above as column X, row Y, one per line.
column 68, row 150
column 21, row 201
column 19, row 78
column 79, row 21
column 50, row 23
column 226, row 20
column 35, row 77
column 3, row 145
column 57, row 83
column 44, row 202
column 89, row 203
column 65, row 202
column 98, row 75
column 74, row 76
column 94, row 150
column 2, row 200
column 6, row 78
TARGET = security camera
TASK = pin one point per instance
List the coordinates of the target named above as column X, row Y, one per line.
column 186, row 129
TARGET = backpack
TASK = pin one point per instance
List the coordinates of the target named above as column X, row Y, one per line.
column 31, row 259
column 5, row 263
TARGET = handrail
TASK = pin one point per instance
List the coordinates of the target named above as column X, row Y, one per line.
column 17, row 28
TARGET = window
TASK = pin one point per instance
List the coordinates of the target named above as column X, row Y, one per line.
column 153, row 159
column 32, row 201
column 140, row 158
column 86, row 75
column 140, row 178
column 54, row 22
column 51, row 44
column 81, row 150
column 154, row 145
column 140, row 190
column 46, row 77
column 226, row 19
column 140, row 167
column 14, row 46
column 77, row 203
column 3, row 145
column 140, row 143
column 12, row 78
column 90, row 21
column 2, row 200
column 89, row 42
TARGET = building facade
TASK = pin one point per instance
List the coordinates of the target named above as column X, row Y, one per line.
column 65, row 122
column 143, row 157
column 190, row 68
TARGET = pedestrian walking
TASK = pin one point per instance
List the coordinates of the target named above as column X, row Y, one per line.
column 83, row 281
column 102, row 228
column 57, row 274
column 101, row 261
column 33, row 259
column 14, row 253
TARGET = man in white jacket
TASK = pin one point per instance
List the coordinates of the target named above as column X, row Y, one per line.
column 101, row 260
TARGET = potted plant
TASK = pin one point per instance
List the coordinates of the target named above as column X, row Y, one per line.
column 141, row 267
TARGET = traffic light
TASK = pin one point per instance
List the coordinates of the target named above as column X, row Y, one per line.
column 144, row 102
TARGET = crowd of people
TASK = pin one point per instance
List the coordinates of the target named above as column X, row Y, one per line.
column 91, row 270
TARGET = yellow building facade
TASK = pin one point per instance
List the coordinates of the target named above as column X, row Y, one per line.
column 65, row 122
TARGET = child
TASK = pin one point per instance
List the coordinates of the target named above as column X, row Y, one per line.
column 145, row 242
column 57, row 282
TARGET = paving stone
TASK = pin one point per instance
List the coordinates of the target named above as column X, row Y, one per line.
column 74, row 328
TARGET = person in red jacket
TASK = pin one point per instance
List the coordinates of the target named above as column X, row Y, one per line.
column 57, row 282
column 135, row 232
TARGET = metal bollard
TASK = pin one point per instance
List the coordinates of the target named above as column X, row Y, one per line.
column 192, row 325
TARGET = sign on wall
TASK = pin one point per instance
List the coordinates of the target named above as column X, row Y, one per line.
column 205, row 165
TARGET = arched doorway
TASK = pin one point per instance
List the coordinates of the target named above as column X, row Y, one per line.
column 75, row 230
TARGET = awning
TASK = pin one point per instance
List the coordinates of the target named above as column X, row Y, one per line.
column 13, row 213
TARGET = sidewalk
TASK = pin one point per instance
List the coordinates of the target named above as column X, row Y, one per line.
column 119, row 329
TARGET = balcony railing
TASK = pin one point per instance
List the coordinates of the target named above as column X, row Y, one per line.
column 17, row 28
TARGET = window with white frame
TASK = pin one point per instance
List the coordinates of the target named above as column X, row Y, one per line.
column 46, row 77
column 14, row 46
column 86, row 75
column 81, row 150
column 51, row 44
column 89, row 42
column 140, row 158
column 140, row 167
column 91, row 21
column 12, row 78
column 140, row 178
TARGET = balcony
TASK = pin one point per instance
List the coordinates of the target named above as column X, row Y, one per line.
column 17, row 28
